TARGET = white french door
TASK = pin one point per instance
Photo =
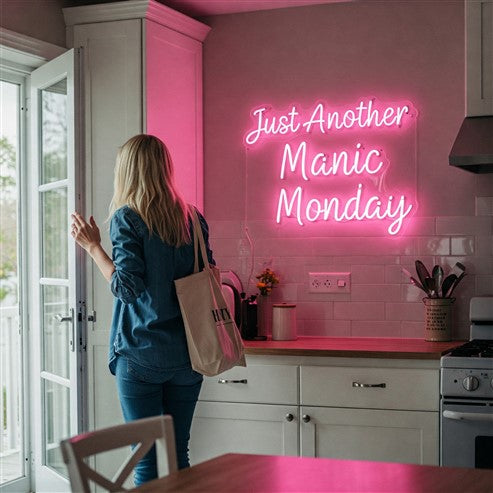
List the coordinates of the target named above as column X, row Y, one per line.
column 56, row 311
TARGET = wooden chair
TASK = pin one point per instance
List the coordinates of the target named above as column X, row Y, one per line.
column 142, row 433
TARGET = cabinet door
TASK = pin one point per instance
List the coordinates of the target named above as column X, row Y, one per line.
column 479, row 57
column 223, row 427
column 364, row 434
column 173, row 109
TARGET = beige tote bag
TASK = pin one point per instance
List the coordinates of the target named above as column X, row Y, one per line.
column 213, row 339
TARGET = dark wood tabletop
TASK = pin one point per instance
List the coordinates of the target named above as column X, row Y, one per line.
column 241, row 473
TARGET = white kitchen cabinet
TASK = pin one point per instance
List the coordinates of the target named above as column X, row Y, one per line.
column 347, row 408
column 370, row 434
column 247, row 410
column 224, row 427
column 141, row 72
column 479, row 57
column 370, row 413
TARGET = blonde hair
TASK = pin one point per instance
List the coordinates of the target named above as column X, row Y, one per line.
column 144, row 181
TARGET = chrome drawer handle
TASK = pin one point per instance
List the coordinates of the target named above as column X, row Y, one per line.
column 369, row 385
column 222, row 380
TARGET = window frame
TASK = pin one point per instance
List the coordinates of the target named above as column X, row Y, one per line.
column 19, row 56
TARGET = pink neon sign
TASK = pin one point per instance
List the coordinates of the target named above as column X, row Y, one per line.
column 363, row 115
column 302, row 161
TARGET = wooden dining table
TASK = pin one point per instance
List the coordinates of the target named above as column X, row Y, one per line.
column 242, row 473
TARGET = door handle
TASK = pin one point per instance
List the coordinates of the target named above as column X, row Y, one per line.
column 468, row 416
column 68, row 318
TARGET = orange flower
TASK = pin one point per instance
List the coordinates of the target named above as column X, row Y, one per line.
column 267, row 280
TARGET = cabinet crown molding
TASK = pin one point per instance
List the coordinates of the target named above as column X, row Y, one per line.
column 136, row 9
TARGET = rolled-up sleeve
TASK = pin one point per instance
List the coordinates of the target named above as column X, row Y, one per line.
column 127, row 282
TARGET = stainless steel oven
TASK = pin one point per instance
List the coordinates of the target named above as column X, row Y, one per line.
column 467, row 434
column 466, row 401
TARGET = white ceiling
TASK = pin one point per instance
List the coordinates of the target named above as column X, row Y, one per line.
column 198, row 8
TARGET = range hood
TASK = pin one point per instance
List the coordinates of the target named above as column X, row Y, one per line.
column 473, row 146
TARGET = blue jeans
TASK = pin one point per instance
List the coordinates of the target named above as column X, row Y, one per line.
column 144, row 393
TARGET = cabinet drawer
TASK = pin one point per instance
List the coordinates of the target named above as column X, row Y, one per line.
column 272, row 384
column 377, row 388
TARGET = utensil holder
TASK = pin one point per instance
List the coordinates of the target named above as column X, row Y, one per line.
column 438, row 318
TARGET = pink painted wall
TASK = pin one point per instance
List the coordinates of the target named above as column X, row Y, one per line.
column 393, row 51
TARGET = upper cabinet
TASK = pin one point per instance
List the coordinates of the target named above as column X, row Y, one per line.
column 142, row 73
column 479, row 57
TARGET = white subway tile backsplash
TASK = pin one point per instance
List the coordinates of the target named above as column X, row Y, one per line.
column 375, row 292
column 363, row 246
column 364, row 328
column 462, row 245
column 479, row 265
column 366, row 260
column 394, row 274
column 484, row 285
column 483, row 245
column 359, row 310
column 414, row 330
column 404, row 311
column 367, row 274
column 422, row 226
column 382, row 301
column 464, row 225
column 314, row 310
column 411, row 293
column 435, row 245
column 337, row 328
column 225, row 229
column 484, row 206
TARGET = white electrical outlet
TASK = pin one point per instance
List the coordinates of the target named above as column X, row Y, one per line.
column 329, row 282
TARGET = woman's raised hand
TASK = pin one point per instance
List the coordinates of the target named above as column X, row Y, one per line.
column 85, row 234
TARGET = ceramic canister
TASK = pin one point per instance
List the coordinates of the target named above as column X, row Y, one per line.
column 284, row 322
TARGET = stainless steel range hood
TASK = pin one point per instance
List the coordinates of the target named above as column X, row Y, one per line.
column 473, row 146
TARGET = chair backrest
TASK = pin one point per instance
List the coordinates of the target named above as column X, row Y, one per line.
column 142, row 433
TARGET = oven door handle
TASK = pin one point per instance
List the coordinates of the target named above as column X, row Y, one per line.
column 468, row 416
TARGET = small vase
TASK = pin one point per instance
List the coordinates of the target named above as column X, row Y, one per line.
column 263, row 318
column 438, row 319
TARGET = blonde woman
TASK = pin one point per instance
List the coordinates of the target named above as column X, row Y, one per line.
column 151, row 235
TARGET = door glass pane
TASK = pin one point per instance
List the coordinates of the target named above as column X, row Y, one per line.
column 56, row 400
column 55, row 334
column 11, row 372
column 54, row 136
column 54, row 227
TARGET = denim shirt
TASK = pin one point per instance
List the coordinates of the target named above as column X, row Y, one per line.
column 147, row 326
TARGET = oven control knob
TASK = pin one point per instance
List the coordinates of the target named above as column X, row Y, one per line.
column 470, row 383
